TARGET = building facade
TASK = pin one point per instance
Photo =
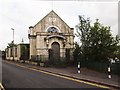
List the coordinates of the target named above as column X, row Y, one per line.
column 51, row 40
column 17, row 52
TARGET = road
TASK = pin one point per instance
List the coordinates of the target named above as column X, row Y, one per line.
column 14, row 76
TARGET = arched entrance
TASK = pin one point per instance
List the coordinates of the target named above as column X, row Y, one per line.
column 54, row 53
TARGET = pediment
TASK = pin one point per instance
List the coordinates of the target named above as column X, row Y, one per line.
column 52, row 19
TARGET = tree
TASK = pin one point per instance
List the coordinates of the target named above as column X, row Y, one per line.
column 24, row 52
column 117, row 53
column 101, row 42
column 11, row 45
column 98, row 44
column 83, row 29
column 77, row 53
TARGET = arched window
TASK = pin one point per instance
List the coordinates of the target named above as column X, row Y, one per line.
column 52, row 30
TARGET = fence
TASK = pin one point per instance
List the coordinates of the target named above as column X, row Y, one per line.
column 102, row 67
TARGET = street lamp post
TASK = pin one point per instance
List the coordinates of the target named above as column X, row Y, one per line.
column 13, row 43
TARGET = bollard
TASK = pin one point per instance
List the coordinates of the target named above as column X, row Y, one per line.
column 109, row 75
column 78, row 67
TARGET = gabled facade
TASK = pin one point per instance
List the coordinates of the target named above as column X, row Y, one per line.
column 51, row 40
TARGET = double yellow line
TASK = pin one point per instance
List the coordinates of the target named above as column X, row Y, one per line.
column 65, row 77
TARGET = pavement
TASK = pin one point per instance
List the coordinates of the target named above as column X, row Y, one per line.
column 85, row 74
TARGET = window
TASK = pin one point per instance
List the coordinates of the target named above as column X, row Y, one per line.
column 15, row 51
column 7, row 50
column 11, row 52
column 52, row 30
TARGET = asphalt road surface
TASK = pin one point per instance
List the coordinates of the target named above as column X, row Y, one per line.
column 14, row 76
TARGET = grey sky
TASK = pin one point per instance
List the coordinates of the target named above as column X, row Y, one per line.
column 20, row 14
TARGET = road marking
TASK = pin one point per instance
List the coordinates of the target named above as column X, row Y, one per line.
column 1, row 86
column 65, row 77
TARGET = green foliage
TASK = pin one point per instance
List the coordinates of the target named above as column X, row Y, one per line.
column 102, row 67
column 98, row 44
column 83, row 28
column 24, row 52
column 77, row 53
column 11, row 44
column 117, row 53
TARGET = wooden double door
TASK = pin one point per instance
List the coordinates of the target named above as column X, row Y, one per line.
column 54, row 53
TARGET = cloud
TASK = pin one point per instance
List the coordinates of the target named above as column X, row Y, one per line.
column 20, row 15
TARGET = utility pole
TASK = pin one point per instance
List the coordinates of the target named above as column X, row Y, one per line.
column 13, row 43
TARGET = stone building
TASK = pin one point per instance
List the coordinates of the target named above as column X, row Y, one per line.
column 17, row 52
column 51, row 40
